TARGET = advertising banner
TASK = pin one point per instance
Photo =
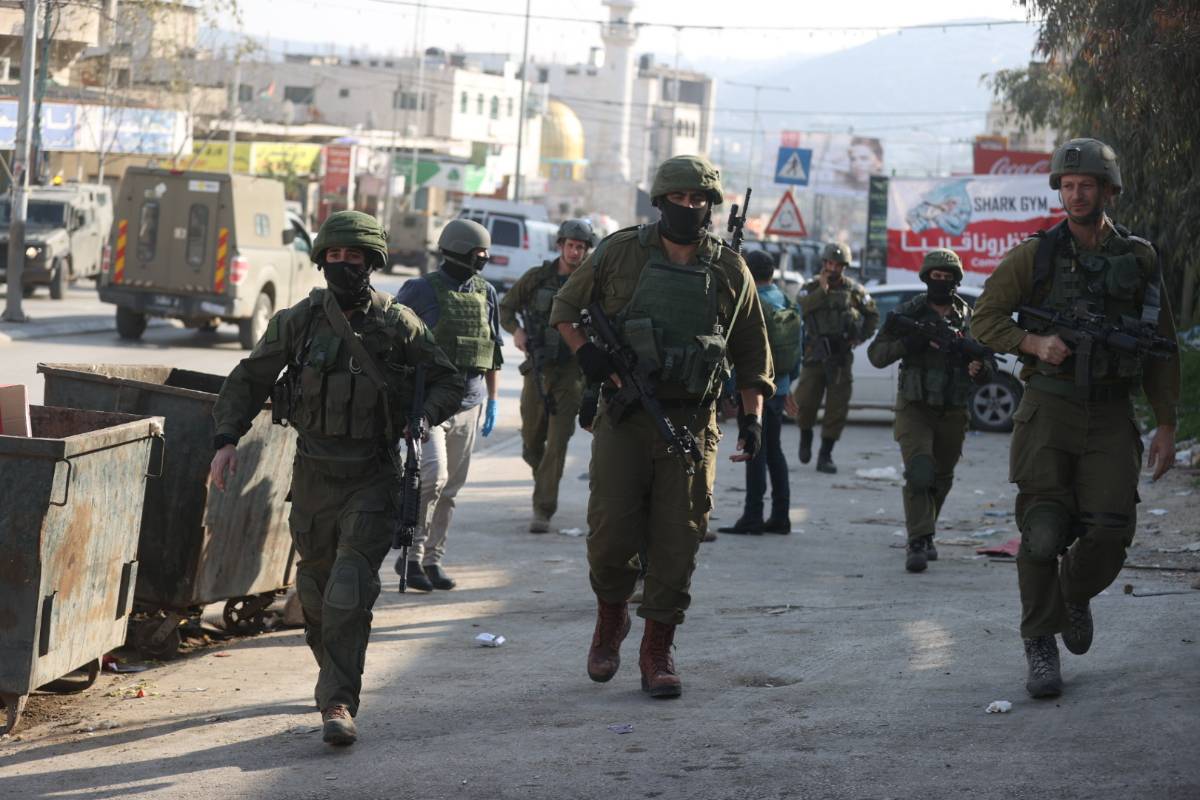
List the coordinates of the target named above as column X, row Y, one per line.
column 107, row 129
column 840, row 163
column 981, row 218
column 998, row 161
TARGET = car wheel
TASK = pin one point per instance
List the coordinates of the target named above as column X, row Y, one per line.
column 252, row 329
column 130, row 324
column 993, row 404
column 58, row 280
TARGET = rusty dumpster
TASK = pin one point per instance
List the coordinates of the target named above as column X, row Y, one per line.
column 196, row 547
column 71, row 500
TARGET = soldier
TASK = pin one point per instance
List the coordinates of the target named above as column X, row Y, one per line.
column 553, row 385
column 1075, row 454
column 680, row 299
column 838, row 316
column 931, row 400
column 348, row 351
column 461, row 309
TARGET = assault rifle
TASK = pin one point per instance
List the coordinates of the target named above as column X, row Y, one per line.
column 637, row 389
column 535, row 361
column 947, row 339
column 736, row 223
column 1083, row 328
column 410, row 478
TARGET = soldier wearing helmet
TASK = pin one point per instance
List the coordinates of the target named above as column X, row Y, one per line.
column 931, row 399
column 1075, row 456
column 686, row 305
column 839, row 315
column 335, row 345
column 553, row 386
column 462, row 310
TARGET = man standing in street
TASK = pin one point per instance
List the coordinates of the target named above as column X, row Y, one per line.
column 553, row 383
column 461, row 309
column 931, row 400
column 783, row 332
column 1076, row 452
column 348, row 351
column 683, row 302
column 838, row 316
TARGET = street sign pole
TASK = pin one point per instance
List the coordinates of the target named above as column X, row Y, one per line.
column 19, row 206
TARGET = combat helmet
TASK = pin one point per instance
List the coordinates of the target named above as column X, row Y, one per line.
column 461, row 236
column 836, row 251
column 578, row 229
column 352, row 229
column 942, row 258
column 688, row 174
column 1085, row 157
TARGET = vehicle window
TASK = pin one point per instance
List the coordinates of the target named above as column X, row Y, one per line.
column 147, row 231
column 506, row 233
column 197, row 234
column 886, row 302
column 301, row 242
column 262, row 225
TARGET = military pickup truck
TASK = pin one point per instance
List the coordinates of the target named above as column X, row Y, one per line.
column 205, row 248
column 66, row 236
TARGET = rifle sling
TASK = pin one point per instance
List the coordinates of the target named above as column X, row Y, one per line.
column 341, row 327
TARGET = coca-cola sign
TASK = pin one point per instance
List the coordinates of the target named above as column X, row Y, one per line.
column 1010, row 162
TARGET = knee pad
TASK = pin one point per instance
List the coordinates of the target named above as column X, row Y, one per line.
column 349, row 582
column 1045, row 531
column 920, row 472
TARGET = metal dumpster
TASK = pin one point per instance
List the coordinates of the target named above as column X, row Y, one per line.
column 196, row 547
column 70, row 505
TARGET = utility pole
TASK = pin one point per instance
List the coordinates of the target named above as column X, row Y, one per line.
column 234, row 91
column 418, row 94
column 521, row 109
column 757, row 87
column 19, row 206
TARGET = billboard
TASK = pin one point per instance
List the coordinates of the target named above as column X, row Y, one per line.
column 107, row 129
column 999, row 161
column 842, row 163
column 980, row 217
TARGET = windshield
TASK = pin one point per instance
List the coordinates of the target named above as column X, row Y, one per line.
column 41, row 212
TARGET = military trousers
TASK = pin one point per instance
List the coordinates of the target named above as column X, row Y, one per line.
column 1076, row 466
column 643, row 501
column 930, row 440
column 544, row 437
column 835, row 384
column 445, row 462
column 342, row 530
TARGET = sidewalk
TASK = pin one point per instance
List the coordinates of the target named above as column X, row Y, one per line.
column 79, row 312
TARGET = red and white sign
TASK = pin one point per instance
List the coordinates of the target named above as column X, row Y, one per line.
column 997, row 161
column 979, row 217
column 337, row 184
column 786, row 221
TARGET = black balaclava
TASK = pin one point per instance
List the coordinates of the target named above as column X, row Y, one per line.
column 940, row 291
column 350, row 283
column 683, row 224
column 461, row 267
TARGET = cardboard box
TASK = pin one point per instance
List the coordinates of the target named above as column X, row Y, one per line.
column 14, row 410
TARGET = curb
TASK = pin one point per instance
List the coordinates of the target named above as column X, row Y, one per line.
column 38, row 330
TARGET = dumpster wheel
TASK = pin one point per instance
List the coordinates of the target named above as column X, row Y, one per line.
column 68, row 686
column 14, row 705
column 247, row 615
column 156, row 637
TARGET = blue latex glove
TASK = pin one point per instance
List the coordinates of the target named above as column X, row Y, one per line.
column 489, row 417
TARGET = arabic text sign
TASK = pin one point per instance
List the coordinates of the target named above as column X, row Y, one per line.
column 981, row 218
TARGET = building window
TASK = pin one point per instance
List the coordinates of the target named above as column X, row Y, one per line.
column 245, row 93
column 479, row 105
column 343, row 93
column 510, row 106
column 463, row 101
column 495, row 108
column 300, row 95
column 406, row 101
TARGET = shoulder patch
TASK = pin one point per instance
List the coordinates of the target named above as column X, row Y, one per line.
column 272, row 334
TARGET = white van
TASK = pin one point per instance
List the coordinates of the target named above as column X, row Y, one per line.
column 521, row 237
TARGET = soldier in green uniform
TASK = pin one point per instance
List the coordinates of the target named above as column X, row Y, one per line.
column 931, row 400
column 1076, row 451
column 685, row 304
column 349, row 352
column 838, row 316
column 553, row 385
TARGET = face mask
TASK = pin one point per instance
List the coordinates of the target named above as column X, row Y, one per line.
column 350, row 283
column 682, row 224
column 940, row 292
column 462, row 267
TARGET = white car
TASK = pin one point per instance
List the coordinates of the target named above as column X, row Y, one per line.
column 519, row 242
column 991, row 406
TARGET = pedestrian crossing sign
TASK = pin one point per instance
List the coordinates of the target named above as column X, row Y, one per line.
column 792, row 166
column 786, row 221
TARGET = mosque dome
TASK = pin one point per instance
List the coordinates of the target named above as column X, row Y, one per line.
column 562, row 143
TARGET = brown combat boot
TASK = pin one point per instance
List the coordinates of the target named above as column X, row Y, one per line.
column 338, row 726
column 656, row 662
column 612, row 626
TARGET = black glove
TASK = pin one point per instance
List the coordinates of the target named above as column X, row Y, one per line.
column 587, row 409
column 594, row 362
column 749, row 434
column 915, row 343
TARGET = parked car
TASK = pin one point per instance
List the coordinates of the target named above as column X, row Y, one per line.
column 66, row 236
column 205, row 247
column 522, row 237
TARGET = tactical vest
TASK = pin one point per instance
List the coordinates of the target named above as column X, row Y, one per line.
column 545, row 343
column 462, row 330
column 784, row 326
column 836, row 317
column 1107, row 282
column 936, row 379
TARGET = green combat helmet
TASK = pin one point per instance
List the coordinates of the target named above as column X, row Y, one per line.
column 353, row 229
column 942, row 259
column 578, row 229
column 836, row 251
column 688, row 174
column 1085, row 157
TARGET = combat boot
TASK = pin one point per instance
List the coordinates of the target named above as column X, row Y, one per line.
column 539, row 524
column 778, row 523
column 930, row 549
column 916, row 555
column 1078, row 635
column 416, row 576
column 1044, row 678
column 612, row 626
column 744, row 525
column 825, row 458
column 656, row 662
column 806, row 439
column 337, row 726
column 438, row 577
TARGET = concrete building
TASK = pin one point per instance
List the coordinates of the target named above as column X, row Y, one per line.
column 74, row 27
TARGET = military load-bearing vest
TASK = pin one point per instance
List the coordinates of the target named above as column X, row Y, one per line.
column 545, row 343
column 931, row 377
column 836, row 317
column 462, row 330
column 784, row 326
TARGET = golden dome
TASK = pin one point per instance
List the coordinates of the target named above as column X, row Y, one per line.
column 562, row 134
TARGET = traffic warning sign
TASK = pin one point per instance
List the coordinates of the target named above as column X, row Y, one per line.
column 786, row 221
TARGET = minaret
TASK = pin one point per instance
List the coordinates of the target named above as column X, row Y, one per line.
column 610, row 171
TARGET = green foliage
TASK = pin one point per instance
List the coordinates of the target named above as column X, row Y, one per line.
column 1126, row 72
column 1189, row 397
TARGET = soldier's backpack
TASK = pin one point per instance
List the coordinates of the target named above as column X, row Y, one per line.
column 783, row 332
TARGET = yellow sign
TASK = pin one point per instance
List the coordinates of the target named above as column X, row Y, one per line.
column 258, row 158
column 214, row 157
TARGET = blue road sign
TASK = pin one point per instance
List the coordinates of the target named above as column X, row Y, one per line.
column 792, row 166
